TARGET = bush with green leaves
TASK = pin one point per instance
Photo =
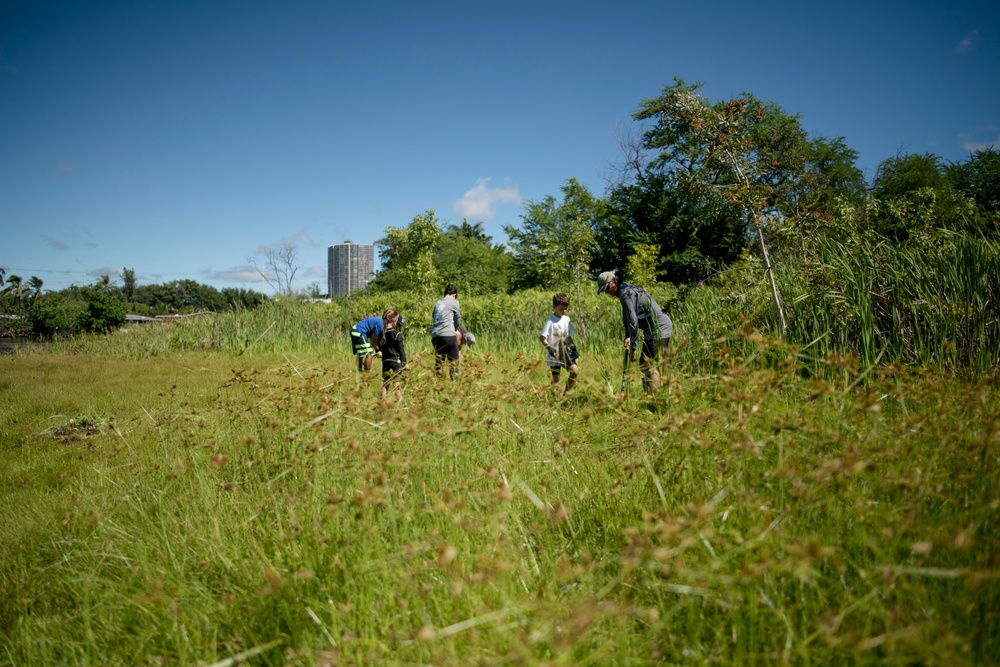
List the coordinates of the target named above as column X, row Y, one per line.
column 103, row 313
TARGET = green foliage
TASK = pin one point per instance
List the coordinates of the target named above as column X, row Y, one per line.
column 693, row 237
column 57, row 313
column 553, row 246
column 189, row 296
column 407, row 255
column 914, row 304
column 15, row 291
column 978, row 180
column 466, row 258
column 916, row 199
column 706, row 174
column 103, row 311
column 197, row 509
column 128, row 285
column 641, row 267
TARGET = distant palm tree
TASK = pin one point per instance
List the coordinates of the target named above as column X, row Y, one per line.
column 14, row 289
column 104, row 283
column 2, row 272
column 35, row 284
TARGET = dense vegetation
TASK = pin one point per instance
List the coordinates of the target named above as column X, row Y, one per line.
column 818, row 481
column 228, row 487
column 31, row 312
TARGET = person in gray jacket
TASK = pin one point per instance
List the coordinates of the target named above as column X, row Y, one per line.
column 640, row 312
column 447, row 318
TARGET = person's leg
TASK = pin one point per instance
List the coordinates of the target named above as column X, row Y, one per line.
column 439, row 352
column 390, row 375
column 453, row 358
column 362, row 349
column 664, row 355
column 446, row 352
column 647, row 364
column 571, row 380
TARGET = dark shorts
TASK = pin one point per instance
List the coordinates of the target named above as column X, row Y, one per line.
column 564, row 357
column 445, row 347
column 651, row 347
column 361, row 345
column 391, row 370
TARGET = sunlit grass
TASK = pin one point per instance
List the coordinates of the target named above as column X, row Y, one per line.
column 186, row 508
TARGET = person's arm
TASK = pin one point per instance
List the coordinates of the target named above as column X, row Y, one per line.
column 630, row 318
column 457, row 316
column 402, row 350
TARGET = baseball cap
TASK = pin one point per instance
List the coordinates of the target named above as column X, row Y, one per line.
column 604, row 280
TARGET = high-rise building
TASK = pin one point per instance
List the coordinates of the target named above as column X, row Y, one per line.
column 350, row 267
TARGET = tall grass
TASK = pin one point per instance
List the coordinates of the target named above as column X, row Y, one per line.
column 268, row 509
column 915, row 304
column 918, row 305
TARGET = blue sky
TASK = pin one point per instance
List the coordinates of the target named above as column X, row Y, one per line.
column 180, row 138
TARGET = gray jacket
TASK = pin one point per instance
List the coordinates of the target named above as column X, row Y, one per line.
column 447, row 318
column 641, row 312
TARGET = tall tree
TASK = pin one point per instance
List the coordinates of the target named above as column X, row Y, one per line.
column 916, row 198
column 677, row 189
column 464, row 255
column 978, row 179
column 35, row 284
column 128, row 285
column 14, row 290
column 553, row 246
column 740, row 155
column 407, row 255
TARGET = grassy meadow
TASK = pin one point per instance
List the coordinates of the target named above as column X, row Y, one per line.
column 229, row 490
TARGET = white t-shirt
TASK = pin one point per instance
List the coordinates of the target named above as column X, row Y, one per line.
column 555, row 331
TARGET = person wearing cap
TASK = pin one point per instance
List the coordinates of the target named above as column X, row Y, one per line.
column 640, row 313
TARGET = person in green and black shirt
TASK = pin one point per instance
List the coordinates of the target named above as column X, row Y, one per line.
column 640, row 313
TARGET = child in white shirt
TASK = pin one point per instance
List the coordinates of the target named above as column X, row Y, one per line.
column 557, row 337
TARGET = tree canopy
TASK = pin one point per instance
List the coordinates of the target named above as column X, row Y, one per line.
column 554, row 245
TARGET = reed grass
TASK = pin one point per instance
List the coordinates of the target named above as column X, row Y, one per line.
column 250, row 504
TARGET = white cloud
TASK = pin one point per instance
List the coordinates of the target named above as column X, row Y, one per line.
column 967, row 41
column 237, row 274
column 477, row 204
column 973, row 146
column 974, row 141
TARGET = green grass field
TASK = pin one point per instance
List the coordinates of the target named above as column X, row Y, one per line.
column 220, row 508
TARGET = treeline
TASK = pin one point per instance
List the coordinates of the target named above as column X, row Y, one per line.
column 730, row 204
column 27, row 309
column 781, row 228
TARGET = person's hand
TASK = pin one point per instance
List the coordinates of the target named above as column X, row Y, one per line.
column 628, row 343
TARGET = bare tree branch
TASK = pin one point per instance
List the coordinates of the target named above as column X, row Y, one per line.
column 278, row 266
